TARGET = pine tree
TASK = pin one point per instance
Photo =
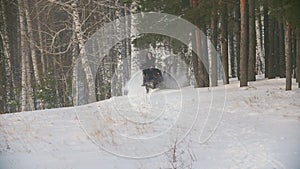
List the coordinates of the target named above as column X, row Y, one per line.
column 298, row 60
column 244, row 45
column 266, row 37
column 288, row 56
column 252, row 42
column 224, row 42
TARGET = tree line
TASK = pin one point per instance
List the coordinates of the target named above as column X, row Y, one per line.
column 42, row 39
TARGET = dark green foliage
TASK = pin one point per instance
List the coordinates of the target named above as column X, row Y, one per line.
column 286, row 10
column 144, row 40
column 175, row 7
column 45, row 94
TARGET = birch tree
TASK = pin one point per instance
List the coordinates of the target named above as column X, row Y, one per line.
column 72, row 10
column 40, row 38
column 82, row 51
column 23, row 55
column 26, row 95
column 31, row 43
column 260, row 44
column 125, row 45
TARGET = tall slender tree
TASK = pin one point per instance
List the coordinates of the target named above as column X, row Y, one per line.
column 204, row 62
column 126, row 48
column 82, row 51
column 252, row 42
column 294, row 50
column 281, row 52
column 26, row 96
column 2, row 81
column 214, row 41
column 288, row 56
column 298, row 59
column 260, row 44
column 7, row 60
column 224, row 41
column 232, row 54
column 266, row 37
column 23, row 55
column 237, row 35
column 40, row 38
column 199, row 69
column 244, row 45
column 31, row 43
column 271, row 56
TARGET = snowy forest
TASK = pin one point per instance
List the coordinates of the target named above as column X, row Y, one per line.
column 41, row 40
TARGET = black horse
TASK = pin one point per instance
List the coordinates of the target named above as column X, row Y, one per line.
column 152, row 78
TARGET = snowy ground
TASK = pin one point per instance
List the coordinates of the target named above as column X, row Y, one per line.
column 224, row 127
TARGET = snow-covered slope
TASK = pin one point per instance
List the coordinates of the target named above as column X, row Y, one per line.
column 224, row 127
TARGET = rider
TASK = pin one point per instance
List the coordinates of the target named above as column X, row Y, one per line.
column 148, row 64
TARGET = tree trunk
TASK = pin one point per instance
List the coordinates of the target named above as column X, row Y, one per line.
column 23, row 56
column 237, row 35
column 26, row 96
column 75, row 87
column 9, row 85
column 260, row 48
column 252, row 42
column 281, row 51
column 204, row 64
column 298, row 60
column 244, row 45
column 196, row 45
column 214, row 57
column 247, row 35
column 232, row 56
column 266, row 38
column 31, row 44
column 294, row 48
column 224, row 42
column 271, row 52
column 198, row 66
column 39, row 29
column 128, row 31
column 276, row 57
column 288, row 57
column 82, row 53
column 2, row 80
column 195, row 59
column 2, row 92
column 124, row 47
column 29, row 90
